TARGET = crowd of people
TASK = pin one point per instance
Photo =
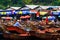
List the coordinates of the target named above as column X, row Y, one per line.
column 29, row 25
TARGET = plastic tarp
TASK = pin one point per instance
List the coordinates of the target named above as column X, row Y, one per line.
column 43, row 13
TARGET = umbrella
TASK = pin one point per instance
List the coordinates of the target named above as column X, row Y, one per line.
column 16, row 12
column 22, row 17
column 7, row 18
column 33, row 11
column 8, row 13
column 27, row 16
column 50, row 8
column 20, row 12
column 55, row 12
column 51, row 17
column 43, row 13
column 3, row 13
column 25, row 12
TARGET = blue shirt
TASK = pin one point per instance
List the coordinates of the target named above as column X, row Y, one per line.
column 17, row 24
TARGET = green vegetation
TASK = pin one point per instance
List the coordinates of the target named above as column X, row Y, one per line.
column 6, row 3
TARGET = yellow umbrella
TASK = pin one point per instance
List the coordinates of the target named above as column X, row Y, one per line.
column 3, row 13
column 43, row 13
column 20, row 12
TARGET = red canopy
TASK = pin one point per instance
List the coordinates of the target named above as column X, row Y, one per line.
column 27, row 16
column 7, row 18
column 23, row 17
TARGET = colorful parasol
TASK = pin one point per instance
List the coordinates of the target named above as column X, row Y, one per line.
column 20, row 12
column 3, row 13
column 27, row 16
column 43, row 13
column 22, row 17
column 56, row 12
column 7, row 18
column 33, row 11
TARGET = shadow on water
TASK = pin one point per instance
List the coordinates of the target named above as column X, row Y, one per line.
column 25, row 38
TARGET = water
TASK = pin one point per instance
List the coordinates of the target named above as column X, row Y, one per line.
column 27, row 29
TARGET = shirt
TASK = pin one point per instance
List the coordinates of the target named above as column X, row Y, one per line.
column 17, row 24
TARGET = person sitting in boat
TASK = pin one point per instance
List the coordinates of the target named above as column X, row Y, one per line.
column 17, row 24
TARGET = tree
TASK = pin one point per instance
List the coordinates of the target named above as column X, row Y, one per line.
column 4, row 3
column 27, row 1
column 56, row 3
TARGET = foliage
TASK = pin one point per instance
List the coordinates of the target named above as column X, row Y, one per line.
column 6, row 3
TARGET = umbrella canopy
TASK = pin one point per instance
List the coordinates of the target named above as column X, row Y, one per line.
column 33, row 11
column 20, row 12
column 56, row 12
column 32, row 6
column 24, row 8
column 22, row 17
column 8, row 13
column 44, row 7
column 43, row 13
column 16, row 11
column 15, row 8
column 7, row 18
column 50, row 8
column 25, row 12
column 27, row 16
column 3, row 13
column 49, row 18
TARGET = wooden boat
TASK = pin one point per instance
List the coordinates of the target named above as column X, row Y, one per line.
column 48, row 33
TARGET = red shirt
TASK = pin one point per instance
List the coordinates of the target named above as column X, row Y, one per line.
column 37, row 14
column 46, row 20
